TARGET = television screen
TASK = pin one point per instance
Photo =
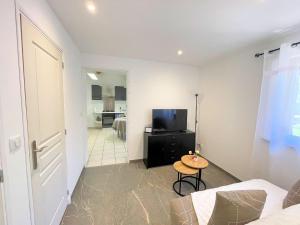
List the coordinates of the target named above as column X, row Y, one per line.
column 169, row 119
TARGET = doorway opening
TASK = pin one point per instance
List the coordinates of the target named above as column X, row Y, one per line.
column 106, row 93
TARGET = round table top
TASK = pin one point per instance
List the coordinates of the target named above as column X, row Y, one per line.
column 181, row 168
column 201, row 163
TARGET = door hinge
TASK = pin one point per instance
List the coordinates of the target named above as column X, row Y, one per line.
column 1, row 176
column 62, row 65
column 65, row 131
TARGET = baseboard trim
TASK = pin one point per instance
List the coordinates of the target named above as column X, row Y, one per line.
column 220, row 168
column 135, row 160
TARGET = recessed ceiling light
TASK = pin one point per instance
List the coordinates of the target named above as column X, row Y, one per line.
column 92, row 76
column 90, row 5
column 179, row 52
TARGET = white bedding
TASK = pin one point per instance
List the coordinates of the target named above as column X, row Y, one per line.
column 288, row 216
column 204, row 201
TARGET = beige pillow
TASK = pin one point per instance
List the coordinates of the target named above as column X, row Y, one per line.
column 293, row 196
column 237, row 207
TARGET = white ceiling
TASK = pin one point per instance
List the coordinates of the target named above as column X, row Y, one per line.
column 116, row 73
column 156, row 29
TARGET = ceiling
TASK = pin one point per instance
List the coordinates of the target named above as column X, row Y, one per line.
column 156, row 29
column 100, row 72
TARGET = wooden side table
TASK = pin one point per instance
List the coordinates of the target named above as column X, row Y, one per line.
column 200, row 164
column 183, row 170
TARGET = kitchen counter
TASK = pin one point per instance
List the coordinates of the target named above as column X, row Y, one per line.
column 109, row 112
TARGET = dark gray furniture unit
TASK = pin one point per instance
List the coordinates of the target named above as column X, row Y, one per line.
column 108, row 119
column 96, row 92
column 166, row 148
column 120, row 93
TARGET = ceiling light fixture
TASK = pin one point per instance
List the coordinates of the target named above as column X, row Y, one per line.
column 90, row 5
column 179, row 52
column 92, row 76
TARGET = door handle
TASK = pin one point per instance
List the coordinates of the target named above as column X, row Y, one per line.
column 35, row 150
column 40, row 149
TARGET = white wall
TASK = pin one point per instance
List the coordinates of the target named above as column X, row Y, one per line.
column 150, row 85
column 41, row 14
column 107, row 81
column 230, row 91
column 14, row 166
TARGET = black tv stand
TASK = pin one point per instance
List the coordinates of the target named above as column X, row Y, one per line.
column 168, row 132
column 164, row 148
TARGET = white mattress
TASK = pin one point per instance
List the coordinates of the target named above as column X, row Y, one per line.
column 204, row 201
column 288, row 216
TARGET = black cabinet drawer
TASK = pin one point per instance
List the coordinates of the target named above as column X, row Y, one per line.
column 173, row 144
column 172, row 138
column 172, row 159
column 172, row 150
column 165, row 149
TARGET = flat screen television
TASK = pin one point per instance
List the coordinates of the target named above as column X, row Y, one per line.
column 169, row 120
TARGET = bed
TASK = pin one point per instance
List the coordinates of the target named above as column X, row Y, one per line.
column 119, row 125
column 197, row 208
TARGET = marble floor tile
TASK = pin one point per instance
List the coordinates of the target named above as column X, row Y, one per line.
column 129, row 194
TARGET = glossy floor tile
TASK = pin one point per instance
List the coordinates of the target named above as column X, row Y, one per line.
column 105, row 148
column 130, row 194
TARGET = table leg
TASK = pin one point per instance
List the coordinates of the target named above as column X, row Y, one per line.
column 197, row 181
column 180, row 183
column 200, row 178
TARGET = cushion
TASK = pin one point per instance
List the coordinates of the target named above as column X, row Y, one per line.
column 293, row 196
column 204, row 201
column 288, row 216
column 182, row 211
column 237, row 207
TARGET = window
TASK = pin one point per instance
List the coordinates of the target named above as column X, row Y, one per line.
column 296, row 116
column 279, row 115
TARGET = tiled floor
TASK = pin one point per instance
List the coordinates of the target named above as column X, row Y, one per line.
column 130, row 194
column 105, row 148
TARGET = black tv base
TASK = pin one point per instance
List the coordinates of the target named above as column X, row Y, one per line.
column 167, row 147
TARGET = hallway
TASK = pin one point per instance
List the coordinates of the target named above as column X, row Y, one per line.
column 105, row 148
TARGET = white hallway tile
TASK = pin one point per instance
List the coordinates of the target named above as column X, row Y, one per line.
column 121, row 154
column 122, row 160
column 105, row 148
column 108, row 162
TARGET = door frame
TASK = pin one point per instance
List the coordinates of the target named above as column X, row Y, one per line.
column 18, row 12
column 86, row 154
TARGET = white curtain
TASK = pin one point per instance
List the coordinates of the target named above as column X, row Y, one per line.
column 279, row 110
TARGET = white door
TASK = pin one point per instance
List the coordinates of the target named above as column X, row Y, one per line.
column 42, row 62
column 2, row 194
column 2, row 206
